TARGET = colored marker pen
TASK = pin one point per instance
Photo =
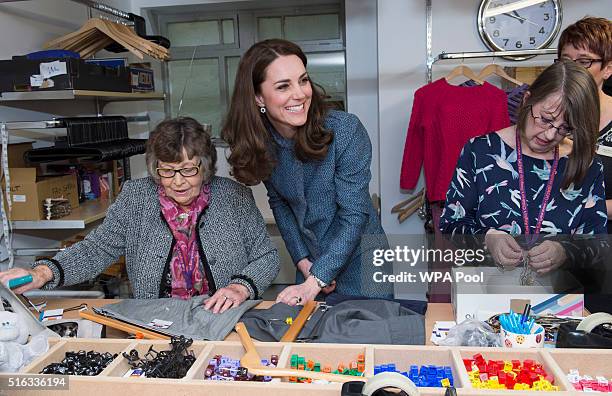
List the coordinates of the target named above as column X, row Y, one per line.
column 13, row 283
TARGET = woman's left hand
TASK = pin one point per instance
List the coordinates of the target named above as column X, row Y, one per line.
column 227, row 297
column 547, row 256
column 299, row 294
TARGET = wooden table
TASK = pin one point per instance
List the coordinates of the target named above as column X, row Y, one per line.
column 435, row 312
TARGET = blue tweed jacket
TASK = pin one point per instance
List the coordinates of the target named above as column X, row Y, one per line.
column 323, row 208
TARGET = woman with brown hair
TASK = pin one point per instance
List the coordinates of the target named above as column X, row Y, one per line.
column 538, row 176
column 184, row 232
column 588, row 42
column 315, row 164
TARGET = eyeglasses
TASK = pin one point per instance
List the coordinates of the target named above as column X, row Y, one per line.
column 584, row 62
column 547, row 123
column 168, row 173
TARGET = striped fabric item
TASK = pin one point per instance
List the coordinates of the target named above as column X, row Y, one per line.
column 515, row 96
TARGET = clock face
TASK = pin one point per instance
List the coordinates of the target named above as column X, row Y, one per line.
column 514, row 25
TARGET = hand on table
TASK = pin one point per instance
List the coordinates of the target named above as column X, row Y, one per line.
column 40, row 275
column 227, row 297
column 546, row 256
column 299, row 294
column 503, row 248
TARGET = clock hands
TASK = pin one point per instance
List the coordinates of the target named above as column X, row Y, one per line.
column 517, row 5
column 520, row 18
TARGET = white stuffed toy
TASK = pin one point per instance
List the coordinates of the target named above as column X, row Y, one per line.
column 15, row 351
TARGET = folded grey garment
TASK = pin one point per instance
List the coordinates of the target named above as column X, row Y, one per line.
column 269, row 324
column 188, row 317
column 371, row 322
column 349, row 322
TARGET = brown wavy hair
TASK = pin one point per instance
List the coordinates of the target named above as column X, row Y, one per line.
column 580, row 106
column 245, row 128
column 591, row 34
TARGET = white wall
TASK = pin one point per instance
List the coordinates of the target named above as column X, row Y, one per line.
column 401, row 64
column 362, row 73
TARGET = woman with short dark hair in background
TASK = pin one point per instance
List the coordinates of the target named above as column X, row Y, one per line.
column 183, row 231
column 588, row 42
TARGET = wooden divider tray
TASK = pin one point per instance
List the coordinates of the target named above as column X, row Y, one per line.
column 111, row 381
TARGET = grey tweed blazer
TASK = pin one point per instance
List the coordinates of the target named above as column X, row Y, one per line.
column 235, row 246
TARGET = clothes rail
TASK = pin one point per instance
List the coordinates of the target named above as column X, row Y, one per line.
column 484, row 54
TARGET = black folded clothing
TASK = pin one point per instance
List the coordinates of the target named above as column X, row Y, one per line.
column 101, row 152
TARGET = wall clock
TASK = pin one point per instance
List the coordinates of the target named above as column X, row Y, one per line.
column 511, row 25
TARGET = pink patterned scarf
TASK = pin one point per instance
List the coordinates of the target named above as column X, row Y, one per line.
column 187, row 278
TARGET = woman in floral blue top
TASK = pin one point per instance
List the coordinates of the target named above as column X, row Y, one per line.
column 539, row 176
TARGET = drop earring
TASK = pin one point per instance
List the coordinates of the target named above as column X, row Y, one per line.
column 262, row 110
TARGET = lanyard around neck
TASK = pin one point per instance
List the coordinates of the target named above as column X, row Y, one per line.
column 547, row 192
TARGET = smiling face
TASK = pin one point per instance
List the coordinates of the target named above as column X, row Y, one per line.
column 286, row 94
column 540, row 137
column 183, row 190
column 599, row 71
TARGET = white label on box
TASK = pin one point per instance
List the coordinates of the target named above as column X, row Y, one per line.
column 36, row 80
column 19, row 198
column 50, row 69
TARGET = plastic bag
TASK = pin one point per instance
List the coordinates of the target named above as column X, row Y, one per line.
column 472, row 332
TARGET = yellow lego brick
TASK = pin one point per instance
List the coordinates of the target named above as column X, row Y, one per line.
column 445, row 382
column 507, row 366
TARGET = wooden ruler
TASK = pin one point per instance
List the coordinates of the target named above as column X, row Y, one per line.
column 299, row 322
column 119, row 325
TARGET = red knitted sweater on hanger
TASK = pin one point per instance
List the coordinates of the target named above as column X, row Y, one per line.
column 444, row 117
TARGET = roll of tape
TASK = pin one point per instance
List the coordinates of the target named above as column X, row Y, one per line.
column 590, row 322
column 390, row 380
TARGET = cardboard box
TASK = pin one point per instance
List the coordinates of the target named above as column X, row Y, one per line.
column 28, row 192
column 497, row 292
column 15, row 154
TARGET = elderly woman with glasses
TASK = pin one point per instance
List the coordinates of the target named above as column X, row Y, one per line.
column 538, row 176
column 183, row 231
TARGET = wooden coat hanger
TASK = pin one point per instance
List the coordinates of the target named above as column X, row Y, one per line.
column 463, row 70
column 402, row 205
column 413, row 207
column 96, row 34
column 494, row 69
